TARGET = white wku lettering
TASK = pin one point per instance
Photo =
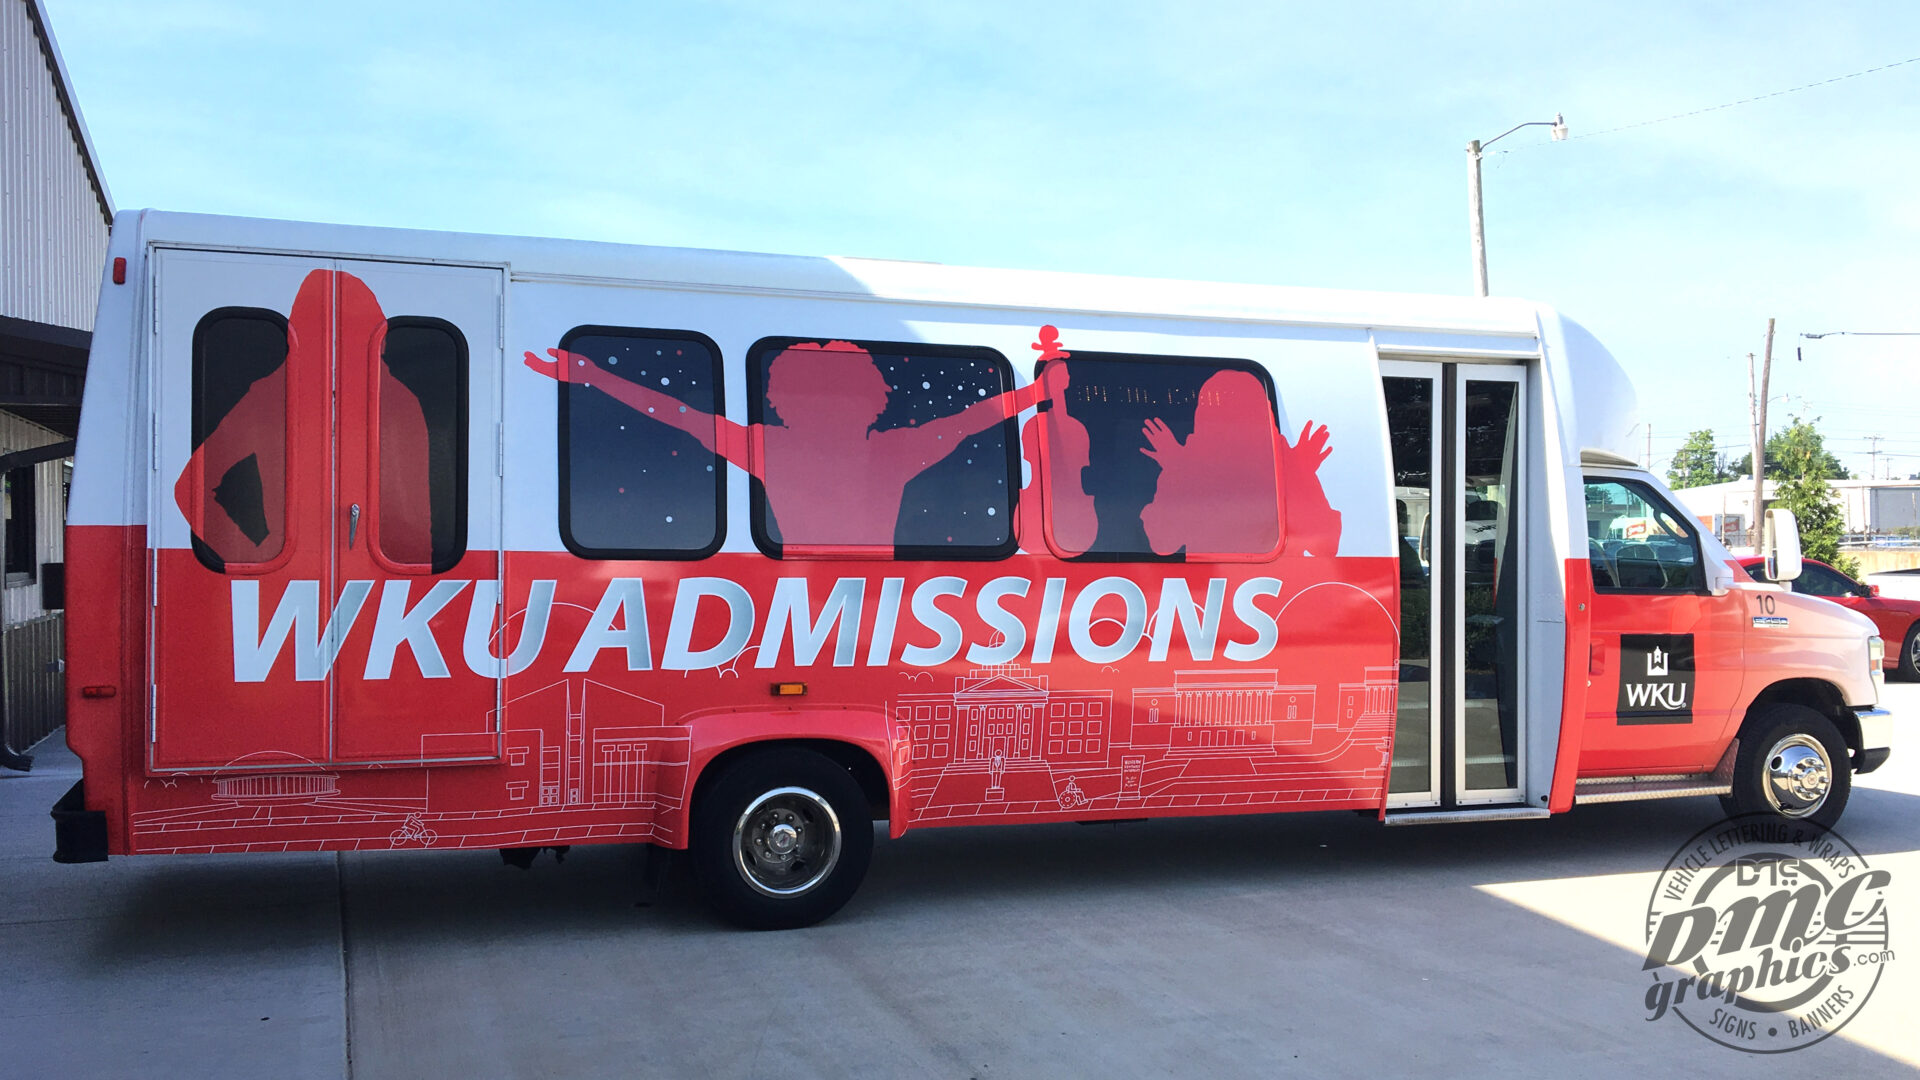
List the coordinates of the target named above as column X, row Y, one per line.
column 1013, row 632
column 1080, row 620
column 880, row 649
column 927, row 610
column 1266, row 631
column 1201, row 627
column 790, row 608
column 680, row 654
column 298, row 617
column 624, row 595
column 477, row 646
column 1003, row 606
column 395, row 625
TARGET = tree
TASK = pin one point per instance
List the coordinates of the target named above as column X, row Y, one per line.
column 1804, row 465
column 1695, row 463
column 1799, row 440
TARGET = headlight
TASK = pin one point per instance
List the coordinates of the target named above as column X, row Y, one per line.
column 1876, row 658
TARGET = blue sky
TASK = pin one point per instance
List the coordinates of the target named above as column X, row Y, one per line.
column 1293, row 144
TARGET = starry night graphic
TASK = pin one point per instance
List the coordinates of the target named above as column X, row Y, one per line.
column 632, row 484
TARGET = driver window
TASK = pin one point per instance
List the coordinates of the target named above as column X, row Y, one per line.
column 1817, row 580
column 1636, row 543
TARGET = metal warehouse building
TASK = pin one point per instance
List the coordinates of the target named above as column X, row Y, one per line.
column 54, row 216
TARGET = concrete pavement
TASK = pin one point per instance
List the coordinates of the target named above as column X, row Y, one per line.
column 1313, row 944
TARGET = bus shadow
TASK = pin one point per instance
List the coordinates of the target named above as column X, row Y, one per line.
column 219, row 904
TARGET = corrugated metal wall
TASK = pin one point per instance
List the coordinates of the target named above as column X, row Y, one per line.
column 53, row 231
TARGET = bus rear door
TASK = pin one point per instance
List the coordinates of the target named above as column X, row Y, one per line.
column 325, row 498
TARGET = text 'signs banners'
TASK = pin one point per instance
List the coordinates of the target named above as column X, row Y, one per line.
column 1765, row 935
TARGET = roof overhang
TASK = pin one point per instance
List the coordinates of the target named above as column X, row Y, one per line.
column 43, row 369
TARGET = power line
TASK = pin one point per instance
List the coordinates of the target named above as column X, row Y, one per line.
column 1743, row 101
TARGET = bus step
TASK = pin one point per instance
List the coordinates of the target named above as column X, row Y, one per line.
column 1448, row 817
column 1633, row 788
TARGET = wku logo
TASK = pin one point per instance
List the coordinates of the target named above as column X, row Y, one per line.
column 1663, row 696
column 715, row 620
column 1656, row 679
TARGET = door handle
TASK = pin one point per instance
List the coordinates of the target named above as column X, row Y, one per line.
column 353, row 524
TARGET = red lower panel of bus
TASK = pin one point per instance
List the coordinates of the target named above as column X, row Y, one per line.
column 1024, row 690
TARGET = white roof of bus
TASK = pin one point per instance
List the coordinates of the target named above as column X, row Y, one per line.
column 930, row 283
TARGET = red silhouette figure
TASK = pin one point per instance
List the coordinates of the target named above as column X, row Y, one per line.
column 1222, row 491
column 1313, row 525
column 1070, row 508
column 233, row 490
column 1219, row 493
column 830, row 479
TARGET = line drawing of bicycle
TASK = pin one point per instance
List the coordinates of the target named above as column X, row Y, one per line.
column 414, row 831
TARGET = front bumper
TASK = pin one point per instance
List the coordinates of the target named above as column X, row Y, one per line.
column 1876, row 739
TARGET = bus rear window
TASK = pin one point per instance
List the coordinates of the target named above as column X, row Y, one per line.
column 423, row 445
column 237, row 502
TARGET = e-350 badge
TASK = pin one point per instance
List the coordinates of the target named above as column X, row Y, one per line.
column 1656, row 679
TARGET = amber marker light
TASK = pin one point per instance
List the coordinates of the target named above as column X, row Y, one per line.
column 789, row 689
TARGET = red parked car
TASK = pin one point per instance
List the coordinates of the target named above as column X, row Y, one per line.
column 1898, row 620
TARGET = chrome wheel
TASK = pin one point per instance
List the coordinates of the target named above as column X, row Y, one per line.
column 1913, row 653
column 1798, row 776
column 786, row 841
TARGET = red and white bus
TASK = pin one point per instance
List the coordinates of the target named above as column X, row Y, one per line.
column 386, row 539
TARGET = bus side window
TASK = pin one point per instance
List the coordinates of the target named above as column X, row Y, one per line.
column 234, row 489
column 422, row 445
column 637, row 481
column 875, row 449
column 1179, row 458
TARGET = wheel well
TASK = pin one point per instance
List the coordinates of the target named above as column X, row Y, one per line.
column 866, row 771
column 1817, row 694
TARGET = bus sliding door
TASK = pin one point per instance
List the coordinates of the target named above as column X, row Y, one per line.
column 1457, row 435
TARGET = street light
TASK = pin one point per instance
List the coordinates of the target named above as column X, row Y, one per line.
column 1475, row 222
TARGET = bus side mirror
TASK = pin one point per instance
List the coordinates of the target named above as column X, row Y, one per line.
column 1780, row 543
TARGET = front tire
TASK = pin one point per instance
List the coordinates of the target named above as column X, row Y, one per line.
column 781, row 840
column 1792, row 764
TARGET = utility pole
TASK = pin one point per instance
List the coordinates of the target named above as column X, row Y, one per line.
column 1476, row 223
column 1759, row 412
column 1649, row 447
column 1873, row 457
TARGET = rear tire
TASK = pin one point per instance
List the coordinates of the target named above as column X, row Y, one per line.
column 781, row 840
column 1908, row 669
column 1792, row 764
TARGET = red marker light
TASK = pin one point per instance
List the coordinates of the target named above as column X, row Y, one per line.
column 98, row 691
column 119, row 271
